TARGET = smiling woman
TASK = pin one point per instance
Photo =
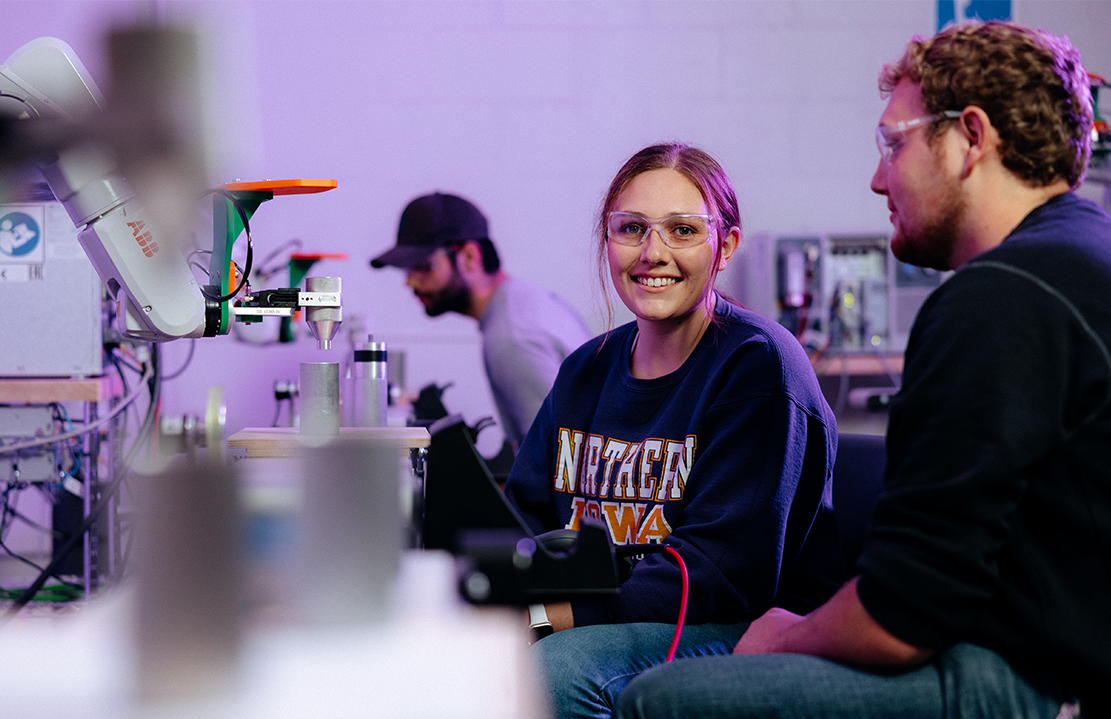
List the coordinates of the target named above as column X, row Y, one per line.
column 666, row 280
column 700, row 425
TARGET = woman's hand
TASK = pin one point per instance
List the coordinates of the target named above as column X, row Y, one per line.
column 560, row 615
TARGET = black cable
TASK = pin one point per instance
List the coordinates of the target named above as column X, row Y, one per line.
column 8, row 489
column 119, row 370
column 16, row 514
column 61, row 414
column 8, row 511
column 267, row 271
column 188, row 359
column 118, row 361
column 13, row 555
column 250, row 247
column 631, row 550
column 126, row 554
column 31, row 564
column 63, row 552
column 115, row 361
column 155, row 384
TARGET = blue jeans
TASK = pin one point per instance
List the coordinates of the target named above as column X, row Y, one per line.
column 963, row 682
column 587, row 667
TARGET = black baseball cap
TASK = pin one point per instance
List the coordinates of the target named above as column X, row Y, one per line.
column 430, row 222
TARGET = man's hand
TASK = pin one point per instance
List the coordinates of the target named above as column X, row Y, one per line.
column 840, row 629
column 763, row 636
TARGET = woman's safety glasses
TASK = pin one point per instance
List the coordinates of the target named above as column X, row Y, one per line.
column 677, row 231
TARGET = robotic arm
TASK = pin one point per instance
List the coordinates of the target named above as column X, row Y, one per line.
column 145, row 270
column 157, row 295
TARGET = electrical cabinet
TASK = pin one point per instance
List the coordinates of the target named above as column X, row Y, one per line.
column 841, row 294
column 52, row 324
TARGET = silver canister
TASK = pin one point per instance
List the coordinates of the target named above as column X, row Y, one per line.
column 367, row 387
column 320, row 412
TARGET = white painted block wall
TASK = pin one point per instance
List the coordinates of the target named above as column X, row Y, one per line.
column 528, row 108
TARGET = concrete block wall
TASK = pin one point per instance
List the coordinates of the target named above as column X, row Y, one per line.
column 527, row 107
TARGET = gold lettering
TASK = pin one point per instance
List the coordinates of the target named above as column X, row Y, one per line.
column 646, row 483
column 568, row 452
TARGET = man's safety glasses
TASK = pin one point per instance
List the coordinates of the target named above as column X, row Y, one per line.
column 889, row 136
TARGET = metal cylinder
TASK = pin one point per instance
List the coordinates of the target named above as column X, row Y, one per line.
column 320, row 413
column 367, row 395
column 323, row 321
column 396, row 376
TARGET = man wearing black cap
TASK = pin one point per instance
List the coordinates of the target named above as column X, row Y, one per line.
column 452, row 266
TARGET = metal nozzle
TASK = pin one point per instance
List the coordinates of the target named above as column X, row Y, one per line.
column 324, row 321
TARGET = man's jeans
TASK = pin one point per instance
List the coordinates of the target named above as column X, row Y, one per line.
column 963, row 682
column 587, row 667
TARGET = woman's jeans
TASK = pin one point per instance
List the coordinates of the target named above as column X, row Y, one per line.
column 587, row 667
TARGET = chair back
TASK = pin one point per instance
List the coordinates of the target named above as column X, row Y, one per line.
column 857, row 484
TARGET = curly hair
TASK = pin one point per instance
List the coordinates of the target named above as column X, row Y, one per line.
column 1031, row 84
column 696, row 165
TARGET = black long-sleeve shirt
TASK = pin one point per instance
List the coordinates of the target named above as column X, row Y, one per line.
column 995, row 524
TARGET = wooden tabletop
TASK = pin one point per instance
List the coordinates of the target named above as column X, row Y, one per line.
column 859, row 364
column 59, row 389
column 286, row 441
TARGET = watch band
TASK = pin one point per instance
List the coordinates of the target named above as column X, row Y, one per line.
column 539, row 624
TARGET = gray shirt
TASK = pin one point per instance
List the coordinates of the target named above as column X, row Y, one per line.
column 527, row 331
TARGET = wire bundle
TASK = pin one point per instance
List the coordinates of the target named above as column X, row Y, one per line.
column 149, row 383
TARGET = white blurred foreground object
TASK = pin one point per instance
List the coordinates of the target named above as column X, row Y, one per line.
column 189, row 616
column 350, row 530
column 434, row 658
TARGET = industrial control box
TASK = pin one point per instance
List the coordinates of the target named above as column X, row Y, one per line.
column 52, row 319
column 837, row 293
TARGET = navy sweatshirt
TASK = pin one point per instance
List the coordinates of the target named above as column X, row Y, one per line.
column 728, row 460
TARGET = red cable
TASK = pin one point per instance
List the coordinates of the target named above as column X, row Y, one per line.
column 682, row 604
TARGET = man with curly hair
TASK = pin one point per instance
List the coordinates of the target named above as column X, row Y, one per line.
column 984, row 589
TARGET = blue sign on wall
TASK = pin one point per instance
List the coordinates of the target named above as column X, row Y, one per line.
column 950, row 11
column 19, row 235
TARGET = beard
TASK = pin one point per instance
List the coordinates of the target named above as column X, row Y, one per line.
column 932, row 243
column 452, row 297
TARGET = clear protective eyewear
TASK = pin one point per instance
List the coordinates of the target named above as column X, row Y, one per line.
column 677, row 231
column 888, row 136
